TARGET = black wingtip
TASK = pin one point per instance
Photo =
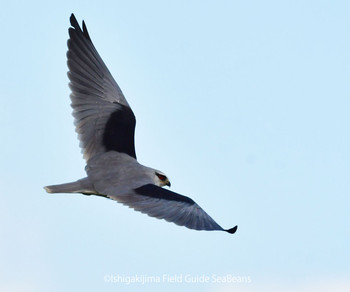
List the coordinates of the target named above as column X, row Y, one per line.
column 232, row 230
column 85, row 31
column 74, row 22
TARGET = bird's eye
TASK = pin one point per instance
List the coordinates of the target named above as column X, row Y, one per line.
column 161, row 177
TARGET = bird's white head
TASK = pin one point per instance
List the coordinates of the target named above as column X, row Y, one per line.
column 160, row 179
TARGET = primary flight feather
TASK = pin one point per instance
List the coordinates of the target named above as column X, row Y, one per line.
column 105, row 125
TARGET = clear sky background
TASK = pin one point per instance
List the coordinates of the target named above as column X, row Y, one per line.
column 245, row 105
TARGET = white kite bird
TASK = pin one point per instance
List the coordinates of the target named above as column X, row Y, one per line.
column 105, row 125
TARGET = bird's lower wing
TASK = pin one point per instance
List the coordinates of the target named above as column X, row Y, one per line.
column 164, row 204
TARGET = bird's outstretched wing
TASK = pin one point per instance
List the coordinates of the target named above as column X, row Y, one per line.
column 103, row 119
column 164, row 204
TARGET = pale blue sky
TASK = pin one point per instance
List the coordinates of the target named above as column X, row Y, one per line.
column 245, row 105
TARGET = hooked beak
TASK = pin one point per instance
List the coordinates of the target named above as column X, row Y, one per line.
column 168, row 184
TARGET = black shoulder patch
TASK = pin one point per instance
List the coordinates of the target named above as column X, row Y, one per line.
column 119, row 131
column 154, row 191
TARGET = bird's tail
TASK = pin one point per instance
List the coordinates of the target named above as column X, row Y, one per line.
column 80, row 186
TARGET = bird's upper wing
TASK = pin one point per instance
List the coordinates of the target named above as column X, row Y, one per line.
column 103, row 119
column 164, row 204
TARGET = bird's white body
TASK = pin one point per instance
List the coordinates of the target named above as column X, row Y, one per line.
column 108, row 179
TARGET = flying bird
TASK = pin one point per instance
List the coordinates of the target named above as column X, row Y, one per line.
column 105, row 124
